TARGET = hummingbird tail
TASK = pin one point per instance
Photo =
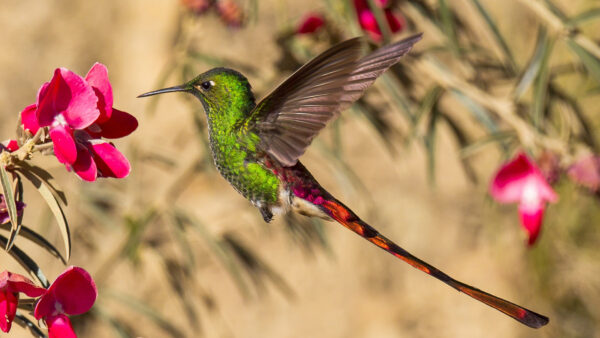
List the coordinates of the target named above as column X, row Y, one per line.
column 343, row 215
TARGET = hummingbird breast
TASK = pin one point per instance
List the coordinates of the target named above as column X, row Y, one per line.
column 240, row 164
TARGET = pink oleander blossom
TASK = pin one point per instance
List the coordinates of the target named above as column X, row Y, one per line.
column 72, row 293
column 521, row 181
column 310, row 23
column 79, row 113
column 368, row 22
column 11, row 284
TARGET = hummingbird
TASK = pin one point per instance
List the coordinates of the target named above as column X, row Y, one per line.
column 256, row 146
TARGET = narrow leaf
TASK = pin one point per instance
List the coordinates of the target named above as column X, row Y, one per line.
column 9, row 198
column 37, row 239
column 591, row 63
column 23, row 321
column 27, row 263
column 217, row 250
column 480, row 113
column 541, row 87
column 581, row 18
column 448, row 26
column 534, row 64
column 54, row 206
column 144, row 310
column 509, row 58
column 45, row 177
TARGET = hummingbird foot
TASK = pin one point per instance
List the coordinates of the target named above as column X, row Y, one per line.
column 266, row 213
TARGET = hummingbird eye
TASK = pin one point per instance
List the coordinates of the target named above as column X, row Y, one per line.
column 207, row 85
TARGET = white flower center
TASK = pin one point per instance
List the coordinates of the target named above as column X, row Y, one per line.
column 58, row 309
column 59, row 120
column 531, row 194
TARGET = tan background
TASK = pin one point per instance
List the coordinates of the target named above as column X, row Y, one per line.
column 355, row 289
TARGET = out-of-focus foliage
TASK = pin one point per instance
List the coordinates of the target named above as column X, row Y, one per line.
column 467, row 79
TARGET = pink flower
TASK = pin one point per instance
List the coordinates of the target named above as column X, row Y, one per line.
column 79, row 113
column 521, row 181
column 4, row 209
column 10, row 286
column 586, row 172
column 368, row 22
column 311, row 23
column 9, row 145
column 72, row 293
column 65, row 104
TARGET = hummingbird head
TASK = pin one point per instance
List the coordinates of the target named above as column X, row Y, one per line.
column 216, row 88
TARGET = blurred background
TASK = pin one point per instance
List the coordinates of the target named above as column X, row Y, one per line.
column 176, row 252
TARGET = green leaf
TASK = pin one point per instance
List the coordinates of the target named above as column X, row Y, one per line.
column 382, row 23
column 144, row 310
column 509, row 58
column 448, row 25
column 591, row 63
column 534, row 64
column 583, row 17
column 27, row 263
column 479, row 112
column 54, row 206
column 45, row 177
column 429, row 141
column 9, row 197
column 476, row 146
column 216, row 248
column 541, row 87
column 37, row 239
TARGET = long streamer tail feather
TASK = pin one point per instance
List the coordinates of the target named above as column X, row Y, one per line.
column 343, row 215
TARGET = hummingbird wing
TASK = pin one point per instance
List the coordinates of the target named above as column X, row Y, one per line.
column 290, row 117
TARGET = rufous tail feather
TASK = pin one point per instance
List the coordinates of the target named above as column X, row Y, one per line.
column 347, row 218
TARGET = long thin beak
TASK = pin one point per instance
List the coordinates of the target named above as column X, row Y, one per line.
column 165, row 90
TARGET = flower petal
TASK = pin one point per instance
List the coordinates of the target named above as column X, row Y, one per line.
column 119, row 125
column 310, row 23
column 53, row 98
column 531, row 220
column 97, row 77
column 14, row 282
column 84, row 166
column 395, row 21
column 60, row 327
column 586, row 172
column 367, row 21
column 8, row 309
column 64, row 144
column 74, row 290
column 82, row 109
column 110, row 161
column 510, row 181
column 29, row 118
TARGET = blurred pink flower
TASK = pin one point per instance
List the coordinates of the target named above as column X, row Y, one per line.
column 368, row 22
column 72, row 293
column 310, row 23
column 10, row 286
column 229, row 11
column 79, row 114
column 586, row 172
column 521, row 181
column 196, row 6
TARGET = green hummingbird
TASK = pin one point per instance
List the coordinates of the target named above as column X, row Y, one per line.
column 256, row 146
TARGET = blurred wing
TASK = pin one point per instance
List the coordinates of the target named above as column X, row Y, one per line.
column 293, row 114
